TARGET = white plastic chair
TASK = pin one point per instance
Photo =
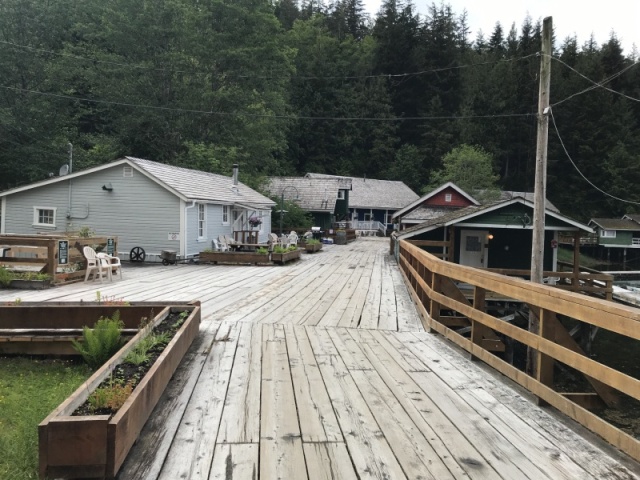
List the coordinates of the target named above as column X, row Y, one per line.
column 95, row 265
column 219, row 247
column 111, row 263
column 293, row 239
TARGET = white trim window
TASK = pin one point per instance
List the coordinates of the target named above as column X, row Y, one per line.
column 341, row 195
column 608, row 234
column 225, row 214
column 368, row 217
column 44, row 216
column 447, row 197
column 202, row 221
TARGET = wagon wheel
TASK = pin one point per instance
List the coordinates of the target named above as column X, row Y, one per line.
column 165, row 262
column 137, row 254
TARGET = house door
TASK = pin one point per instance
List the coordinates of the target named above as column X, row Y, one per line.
column 472, row 248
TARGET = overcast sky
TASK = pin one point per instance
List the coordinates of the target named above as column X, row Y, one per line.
column 579, row 17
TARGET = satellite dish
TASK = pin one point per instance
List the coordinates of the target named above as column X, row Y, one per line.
column 64, row 170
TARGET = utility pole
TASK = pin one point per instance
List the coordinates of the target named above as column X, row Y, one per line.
column 540, row 187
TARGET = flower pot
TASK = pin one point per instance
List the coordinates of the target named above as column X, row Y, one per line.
column 313, row 247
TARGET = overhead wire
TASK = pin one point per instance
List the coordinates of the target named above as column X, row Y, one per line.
column 578, row 170
column 596, row 84
column 256, row 115
column 263, row 77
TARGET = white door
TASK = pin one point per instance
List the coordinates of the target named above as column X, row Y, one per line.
column 472, row 248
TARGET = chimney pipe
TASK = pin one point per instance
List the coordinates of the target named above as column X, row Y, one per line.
column 235, row 174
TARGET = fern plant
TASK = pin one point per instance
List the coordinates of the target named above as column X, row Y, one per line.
column 100, row 342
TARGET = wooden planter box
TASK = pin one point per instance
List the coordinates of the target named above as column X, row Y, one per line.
column 285, row 257
column 312, row 248
column 233, row 257
column 96, row 446
column 20, row 284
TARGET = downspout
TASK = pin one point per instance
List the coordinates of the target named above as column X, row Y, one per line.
column 186, row 224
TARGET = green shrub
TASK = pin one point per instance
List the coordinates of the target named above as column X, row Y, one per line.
column 101, row 342
column 140, row 352
column 5, row 277
column 111, row 396
column 279, row 249
column 313, row 241
column 262, row 250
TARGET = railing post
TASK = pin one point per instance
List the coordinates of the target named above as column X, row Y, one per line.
column 434, row 307
column 545, row 363
column 479, row 302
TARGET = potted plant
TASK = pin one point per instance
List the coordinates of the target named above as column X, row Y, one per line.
column 312, row 245
column 255, row 221
column 283, row 255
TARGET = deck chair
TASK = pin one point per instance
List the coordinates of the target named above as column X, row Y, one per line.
column 111, row 263
column 293, row 239
column 219, row 247
column 222, row 240
column 95, row 265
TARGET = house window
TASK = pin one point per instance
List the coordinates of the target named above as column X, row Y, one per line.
column 608, row 234
column 368, row 217
column 447, row 197
column 202, row 221
column 389, row 217
column 44, row 217
column 341, row 195
column 225, row 214
column 127, row 171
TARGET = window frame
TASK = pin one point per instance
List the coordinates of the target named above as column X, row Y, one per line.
column 36, row 217
column 448, row 197
column 606, row 233
column 202, row 221
column 370, row 215
column 225, row 214
column 342, row 195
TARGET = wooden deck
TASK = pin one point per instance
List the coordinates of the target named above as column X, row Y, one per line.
column 321, row 370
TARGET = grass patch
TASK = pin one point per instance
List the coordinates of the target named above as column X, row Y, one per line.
column 30, row 389
column 566, row 255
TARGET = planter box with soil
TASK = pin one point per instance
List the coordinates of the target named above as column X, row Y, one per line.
column 233, row 257
column 312, row 247
column 286, row 256
column 20, row 284
column 95, row 446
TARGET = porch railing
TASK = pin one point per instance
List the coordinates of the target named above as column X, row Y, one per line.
column 434, row 285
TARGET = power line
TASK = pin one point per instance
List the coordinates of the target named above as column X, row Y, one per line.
column 267, row 77
column 257, row 115
column 578, row 170
column 597, row 84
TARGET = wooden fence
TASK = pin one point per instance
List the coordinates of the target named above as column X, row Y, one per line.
column 433, row 284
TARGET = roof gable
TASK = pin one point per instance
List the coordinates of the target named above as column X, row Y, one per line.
column 437, row 198
column 185, row 183
column 615, row 223
column 473, row 213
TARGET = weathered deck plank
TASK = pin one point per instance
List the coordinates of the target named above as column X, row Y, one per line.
column 263, row 393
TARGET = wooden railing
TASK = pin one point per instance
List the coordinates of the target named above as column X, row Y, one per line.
column 433, row 284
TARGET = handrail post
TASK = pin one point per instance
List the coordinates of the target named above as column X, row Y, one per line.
column 434, row 307
column 545, row 363
column 479, row 303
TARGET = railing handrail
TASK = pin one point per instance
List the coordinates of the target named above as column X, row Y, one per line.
column 432, row 285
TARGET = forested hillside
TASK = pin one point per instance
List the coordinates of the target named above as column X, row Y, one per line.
column 289, row 88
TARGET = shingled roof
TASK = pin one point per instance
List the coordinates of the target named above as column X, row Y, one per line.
column 198, row 185
column 185, row 183
column 311, row 194
column 372, row 193
column 615, row 223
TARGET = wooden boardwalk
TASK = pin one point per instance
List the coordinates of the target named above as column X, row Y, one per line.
column 321, row 370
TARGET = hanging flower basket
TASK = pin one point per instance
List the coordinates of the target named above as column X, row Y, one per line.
column 255, row 221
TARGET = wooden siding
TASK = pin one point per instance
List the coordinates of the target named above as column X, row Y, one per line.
column 622, row 238
column 457, row 200
column 138, row 211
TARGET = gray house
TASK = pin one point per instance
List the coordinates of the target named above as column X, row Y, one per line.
column 148, row 205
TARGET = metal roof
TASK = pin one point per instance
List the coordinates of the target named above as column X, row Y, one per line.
column 373, row 193
column 311, row 194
